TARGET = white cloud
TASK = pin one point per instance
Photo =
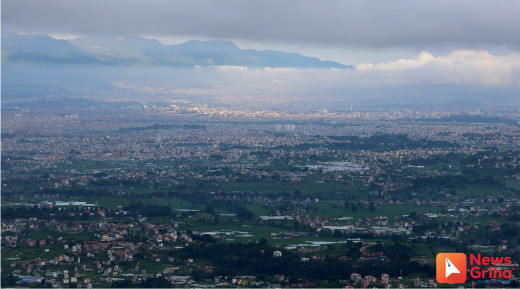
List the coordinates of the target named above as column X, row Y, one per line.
column 476, row 68
column 63, row 36
column 460, row 67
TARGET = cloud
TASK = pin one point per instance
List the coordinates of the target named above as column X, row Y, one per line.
column 460, row 67
column 401, row 64
column 458, row 75
column 334, row 23
column 476, row 68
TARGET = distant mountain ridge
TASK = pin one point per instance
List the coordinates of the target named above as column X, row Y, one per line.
column 40, row 48
column 136, row 50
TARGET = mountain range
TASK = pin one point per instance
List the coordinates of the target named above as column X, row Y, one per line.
column 136, row 50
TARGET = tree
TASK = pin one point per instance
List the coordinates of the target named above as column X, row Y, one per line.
column 9, row 281
column 296, row 225
column 122, row 284
column 372, row 207
column 209, row 210
column 155, row 283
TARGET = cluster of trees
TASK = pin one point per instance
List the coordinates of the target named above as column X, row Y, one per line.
column 356, row 206
column 159, row 282
column 148, row 210
column 468, row 177
column 231, row 259
column 375, row 142
column 61, row 214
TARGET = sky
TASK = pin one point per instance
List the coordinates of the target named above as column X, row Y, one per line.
column 347, row 31
column 442, row 42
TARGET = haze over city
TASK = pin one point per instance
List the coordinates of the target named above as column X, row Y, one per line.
column 392, row 53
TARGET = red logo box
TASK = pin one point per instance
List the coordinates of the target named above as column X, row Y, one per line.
column 451, row 267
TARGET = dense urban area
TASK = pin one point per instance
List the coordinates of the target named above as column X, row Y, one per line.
column 183, row 195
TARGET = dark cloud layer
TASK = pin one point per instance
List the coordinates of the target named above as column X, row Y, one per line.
column 344, row 23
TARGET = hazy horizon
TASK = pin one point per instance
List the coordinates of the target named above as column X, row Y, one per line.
column 401, row 53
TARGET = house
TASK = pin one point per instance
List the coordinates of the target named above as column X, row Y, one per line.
column 30, row 279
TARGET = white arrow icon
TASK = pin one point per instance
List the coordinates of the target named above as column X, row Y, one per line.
column 450, row 268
